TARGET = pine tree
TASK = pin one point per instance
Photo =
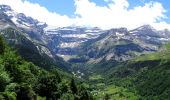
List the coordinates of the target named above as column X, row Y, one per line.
column 107, row 97
column 2, row 45
column 73, row 86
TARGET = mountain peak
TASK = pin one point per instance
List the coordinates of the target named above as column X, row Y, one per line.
column 5, row 8
column 20, row 19
column 146, row 27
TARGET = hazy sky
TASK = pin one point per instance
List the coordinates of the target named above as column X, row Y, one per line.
column 101, row 13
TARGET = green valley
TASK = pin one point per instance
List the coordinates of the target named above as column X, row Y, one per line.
column 142, row 78
column 43, row 62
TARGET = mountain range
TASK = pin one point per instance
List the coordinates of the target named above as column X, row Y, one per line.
column 82, row 51
column 89, row 44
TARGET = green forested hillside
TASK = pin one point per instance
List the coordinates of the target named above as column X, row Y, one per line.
column 22, row 80
column 112, row 64
column 144, row 78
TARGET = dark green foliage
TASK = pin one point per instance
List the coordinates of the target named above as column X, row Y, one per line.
column 18, row 69
column 67, row 96
column 2, row 45
column 25, row 92
column 148, row 76
column 73, row 86
column 48, row 86
column 155, row 82
column 8, row 96
column 4, row 80
column 55, row 72
column 84, row 95
column 107, row 97
column 22, row 80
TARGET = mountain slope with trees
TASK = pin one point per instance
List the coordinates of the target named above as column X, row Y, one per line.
column 22, row 80
column 146, row 77
column 115, row 64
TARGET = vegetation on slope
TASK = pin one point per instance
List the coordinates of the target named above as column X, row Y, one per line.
column 31, row 50
column 146, row 77
column 22, row 80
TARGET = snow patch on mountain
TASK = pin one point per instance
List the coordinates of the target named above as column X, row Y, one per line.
column 69, row 45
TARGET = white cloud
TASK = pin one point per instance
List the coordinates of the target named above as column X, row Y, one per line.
column 38, row 12
column 118, row 14
column 115, row 14
column 161, row 25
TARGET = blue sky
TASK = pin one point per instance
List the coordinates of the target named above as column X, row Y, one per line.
column 63, row 7
column 96, row 13
column 66, row 7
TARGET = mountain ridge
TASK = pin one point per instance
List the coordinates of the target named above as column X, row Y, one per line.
column 90, row 44
column 117, row 63
column 28, row 40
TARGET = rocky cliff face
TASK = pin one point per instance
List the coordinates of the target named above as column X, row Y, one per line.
column 79, row 44
column 27, row 36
